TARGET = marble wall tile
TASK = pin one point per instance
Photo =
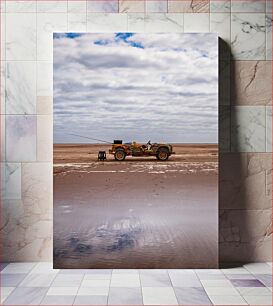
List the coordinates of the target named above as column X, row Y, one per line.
column 164, row 22
column 44, row 138
column 269, row 6
column 220, row 24
column 248, row 129
column 268, row 128
column 157, row 6
column 251, row 83
column 268, row 23
column 243, row 181
column 44, row 78
column 3, row 37
column 44, row 105
column 248, row 36
column 188, row 6
column 3, row 87
column 77, row 22
column 47, row 24
column 224, row 82
column 194, row 23
column 220, row 6
column 20, row 87
column 37, row 188
column 58, row 6
column 136, row 22
column 24, row 235
column 21, row 6
column 245, row 235
column 3, row 6
column 12, row 181
column 12, row 234
column 3, row 138
column 77, row 6
column 103, row 6
column 248, row 6
column 20, row 138
column 131, row 6
column 99, row 22
column 224, row 128
column 21, row 36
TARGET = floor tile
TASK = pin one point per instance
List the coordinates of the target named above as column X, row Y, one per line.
column 240, row 276
column 216, row 283
column 16, row 268
column 183, row 280
column 155, row 280
column 5, row 292
column 221, row 291
column 99, row 271
column 254, row 291
column 97, row 276
column 125, row 280
column 96, row 283
column 74, row 271
column 44, row 267
column 3, row 265
column 258, row 268
column 67, row 280
column 26, row 296
column 11, row 280
column 259, row 299
column 210, row 276
column 266, row 279
column 153, row 271
column 84, row 291
column 182, row 272
column 62, row 291
column 125, row 271
column 246, row 283
column 125, row 296
column 58, row 300
column 235, row 271
column 227, row 300
column 91, row 300
column 159, row 296
column 192, row 296
column 37, row 280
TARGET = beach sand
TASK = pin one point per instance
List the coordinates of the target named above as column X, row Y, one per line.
column 139, row 213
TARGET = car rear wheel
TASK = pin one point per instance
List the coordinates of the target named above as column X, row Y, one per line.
column 162, row 154
column 120, row 155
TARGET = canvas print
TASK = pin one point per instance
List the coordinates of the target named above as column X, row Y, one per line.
column 135, row 150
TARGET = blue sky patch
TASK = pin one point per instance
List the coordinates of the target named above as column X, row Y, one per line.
column 68, row 35
column 124, row 37
column 102, row 42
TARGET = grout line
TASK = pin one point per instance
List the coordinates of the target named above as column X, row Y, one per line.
column 172, row 286
column 141, row 287
column 107, row 300
column 78, row 288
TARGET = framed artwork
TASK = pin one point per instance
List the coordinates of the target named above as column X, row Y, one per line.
column 135, row 150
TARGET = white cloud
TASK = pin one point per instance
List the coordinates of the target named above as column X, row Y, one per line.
column 162, row 87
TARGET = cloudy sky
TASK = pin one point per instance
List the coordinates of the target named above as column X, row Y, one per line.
column 159, row 87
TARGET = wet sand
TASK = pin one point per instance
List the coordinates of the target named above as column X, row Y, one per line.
column 140, row 213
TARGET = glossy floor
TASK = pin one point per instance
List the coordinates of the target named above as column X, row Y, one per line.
column 39, row 284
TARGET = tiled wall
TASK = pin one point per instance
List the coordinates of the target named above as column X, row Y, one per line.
column 245, row 29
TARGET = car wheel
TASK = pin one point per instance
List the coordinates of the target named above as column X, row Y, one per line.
column 120, row 155
column 162, row 154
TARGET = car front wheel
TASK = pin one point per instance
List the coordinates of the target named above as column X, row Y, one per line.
column 162, row 154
